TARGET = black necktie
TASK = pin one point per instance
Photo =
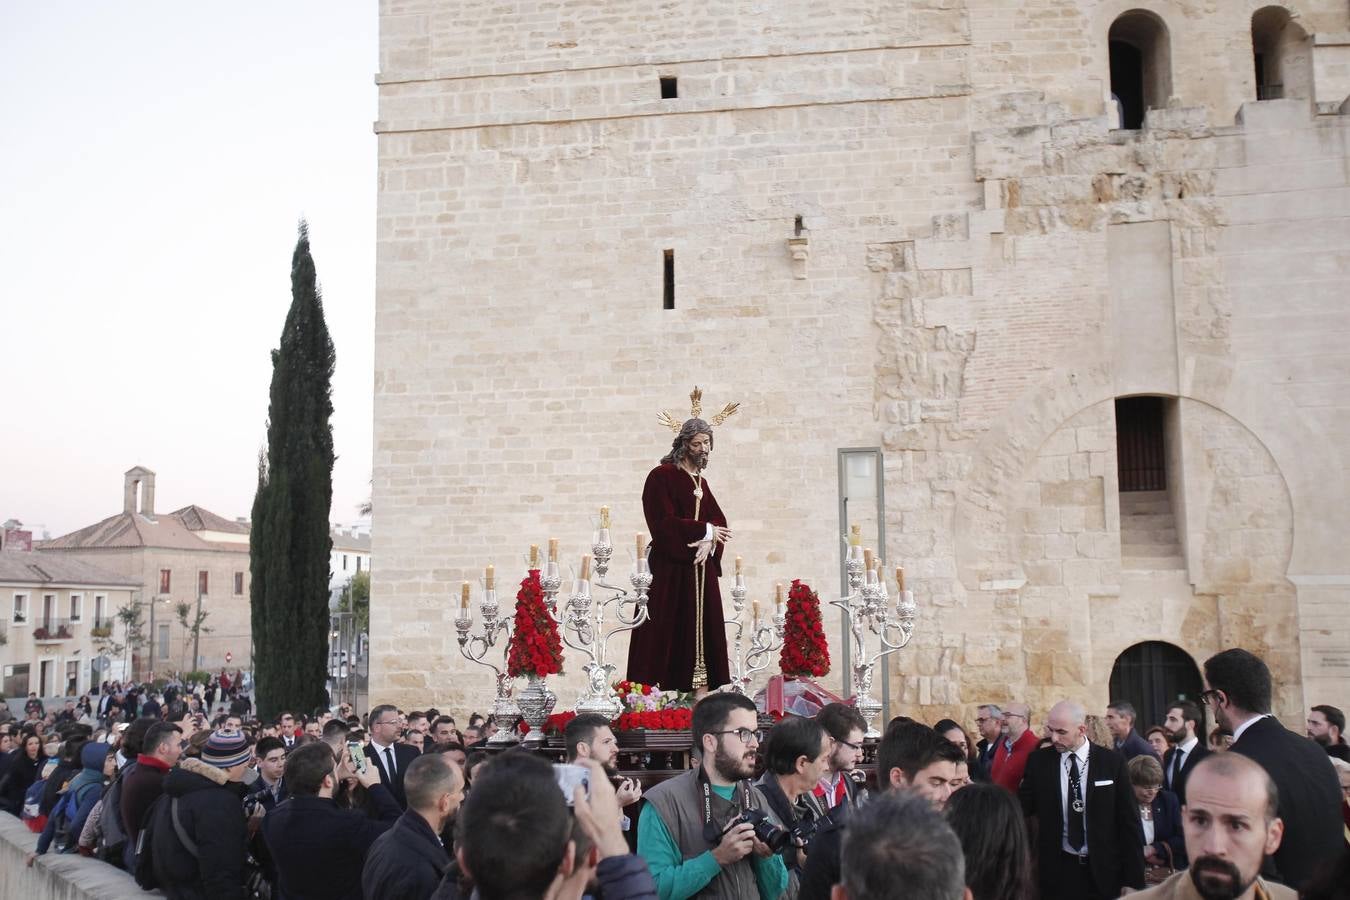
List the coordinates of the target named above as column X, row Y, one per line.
column 389, row 762
column 1176, row 769
column 1076, row 838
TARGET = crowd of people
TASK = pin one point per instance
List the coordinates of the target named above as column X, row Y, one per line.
column 201, row 800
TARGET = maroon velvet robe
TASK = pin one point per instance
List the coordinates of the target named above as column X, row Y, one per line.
column 662, row 651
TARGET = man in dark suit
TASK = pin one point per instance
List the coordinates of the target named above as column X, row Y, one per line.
column 1185, row 724
column 1238, row 691
column 1089, row 841
column 409, row 860
column 385, row 751
column 1120, row 717
column 318, row 848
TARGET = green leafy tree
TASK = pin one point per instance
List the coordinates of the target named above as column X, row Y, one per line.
column 355, row 599
column 289, row 541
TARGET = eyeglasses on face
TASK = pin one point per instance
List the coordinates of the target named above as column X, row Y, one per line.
column 849, row 744
column 385, row 722
column 744, row 735
column 1211, row 695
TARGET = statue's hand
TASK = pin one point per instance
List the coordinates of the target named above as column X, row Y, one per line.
column 703, row 552
column 720, row 534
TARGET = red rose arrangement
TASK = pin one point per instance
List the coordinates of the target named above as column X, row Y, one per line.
column 679, row 718
column 554, row 724
column 535, row 647
column 805, row 650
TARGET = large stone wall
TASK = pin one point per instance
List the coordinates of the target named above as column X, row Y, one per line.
column 988, row 266
column 57, row 876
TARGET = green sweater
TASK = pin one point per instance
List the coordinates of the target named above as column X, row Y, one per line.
column 677, row 878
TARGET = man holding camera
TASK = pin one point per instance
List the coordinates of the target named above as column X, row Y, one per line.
column 697, row 832
column 797, row 755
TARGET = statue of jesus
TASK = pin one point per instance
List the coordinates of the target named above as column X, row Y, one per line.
column 683, row 646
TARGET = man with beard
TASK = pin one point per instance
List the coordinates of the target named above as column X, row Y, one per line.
column 683, row 645
column 1184, row 725
column 1238, row 691
column 1231, row 827
column 1326, row 726
column 588, row 736
column 683, row 833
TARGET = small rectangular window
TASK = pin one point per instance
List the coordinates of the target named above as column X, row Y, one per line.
column 203, row 583
column 344, row 562
column 162, row 651
column 670, row 87
column 165, row 581
column 239, row 584
column 76, row 607
column 358, row 564
column 100, row 610
column 669, row 296
column 20, row 608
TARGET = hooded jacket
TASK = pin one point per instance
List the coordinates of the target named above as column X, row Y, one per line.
column 19, row 777
column 84, row 790
column 210, row 809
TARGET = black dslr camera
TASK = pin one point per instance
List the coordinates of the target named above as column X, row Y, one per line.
column 769, row 834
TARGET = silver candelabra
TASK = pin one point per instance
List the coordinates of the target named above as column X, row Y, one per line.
column 476, row 648
column 583, row 619
column 766, row 639
column 868, row 609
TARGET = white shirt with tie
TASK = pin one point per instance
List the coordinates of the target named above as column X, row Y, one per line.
column 1064, row 791
column 1179, row 761
column 388, row 758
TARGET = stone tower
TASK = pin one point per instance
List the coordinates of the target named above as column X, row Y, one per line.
column 1048, row 295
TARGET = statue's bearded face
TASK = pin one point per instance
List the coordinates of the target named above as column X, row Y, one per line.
column 698, row 451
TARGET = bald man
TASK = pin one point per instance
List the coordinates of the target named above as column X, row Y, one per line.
column 1090, row 842
column 1231, row 827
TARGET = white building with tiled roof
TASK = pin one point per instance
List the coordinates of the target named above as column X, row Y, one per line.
column 53, row 609
column 186, row 556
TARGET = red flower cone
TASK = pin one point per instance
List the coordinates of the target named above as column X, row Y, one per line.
column 805, row 651
column 535, row 647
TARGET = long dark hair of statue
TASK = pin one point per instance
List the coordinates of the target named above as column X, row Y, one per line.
column 679, row 448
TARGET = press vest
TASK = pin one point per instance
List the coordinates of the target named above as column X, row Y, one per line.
column 679, row 802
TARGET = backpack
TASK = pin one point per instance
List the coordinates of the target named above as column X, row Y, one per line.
column 142, row 858
column 64, row 814
column 32, row 804
column 112, row 839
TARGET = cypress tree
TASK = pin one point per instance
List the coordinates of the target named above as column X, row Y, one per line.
column 289, row 541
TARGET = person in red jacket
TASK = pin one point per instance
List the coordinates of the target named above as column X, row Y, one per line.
column 1010, row 759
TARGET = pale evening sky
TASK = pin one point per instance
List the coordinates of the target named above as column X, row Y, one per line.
column 155, row 160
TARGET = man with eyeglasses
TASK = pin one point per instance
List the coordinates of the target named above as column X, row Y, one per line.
column 390, row 756
column 683, row 833
column 989, row 723
column 846, row 726
column 1010, row 756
